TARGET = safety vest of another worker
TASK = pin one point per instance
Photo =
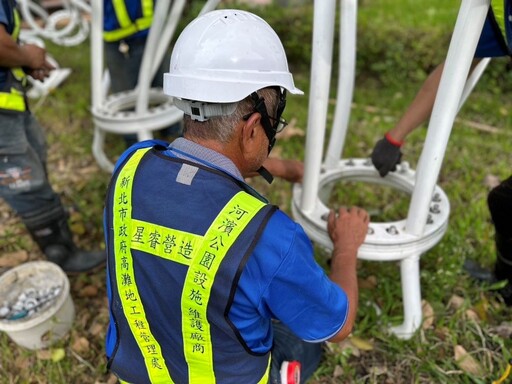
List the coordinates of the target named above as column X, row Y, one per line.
column 176, row 250
column 499, row 15
column 124, row 19
column 12, row 93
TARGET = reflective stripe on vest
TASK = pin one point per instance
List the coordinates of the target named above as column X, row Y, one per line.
column 498, row 9
column 202, row 254
column 14, row 99
column 125, row 278
column 127, row 26
column 221, row 235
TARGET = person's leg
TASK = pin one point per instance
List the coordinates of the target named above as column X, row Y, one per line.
column 124, row 71
column 500, row 206
column 499, row 201
column 23, row 181
column 25, row 187
column 288, row 347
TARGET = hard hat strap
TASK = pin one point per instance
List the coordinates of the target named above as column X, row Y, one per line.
column 270, row 129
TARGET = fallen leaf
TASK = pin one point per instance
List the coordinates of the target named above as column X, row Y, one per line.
column 22, row 362
column 13, row 259
column 455, row 302
column 80, row 345
column 369, row 283
column 472, row 315
column 362, row 344
column 58, row 354
column 338, row 371
column 346, row 345
column 78, row 228
column 428, row 314
column 377, row 371
column 442, row 333
column 481, row 308
column 503, row 330
column 44, row 354
column 466, row 362
column 96, row 329
column 88, row 291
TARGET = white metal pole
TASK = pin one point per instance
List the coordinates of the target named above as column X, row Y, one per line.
column 473, row 80
column 323, row 36
column 346, row 78
column 209, row 6
column 144, row 81
column 166, row 35
column 411, row 297
column 96, row 46
column 465, row 37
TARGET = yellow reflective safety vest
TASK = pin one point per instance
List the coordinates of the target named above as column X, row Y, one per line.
column 178, row 237
column 127, row 25
column 12, row 94
column 499, row 14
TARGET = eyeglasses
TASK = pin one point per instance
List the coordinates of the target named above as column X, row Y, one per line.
column 278, row 124
column 271, row 125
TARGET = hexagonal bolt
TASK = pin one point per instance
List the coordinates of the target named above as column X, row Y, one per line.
column 429, row 219
column 368, row 162
column 435, row 209
column 350, row 163
column 436, row 198
column 392, row 230
column 370, row 231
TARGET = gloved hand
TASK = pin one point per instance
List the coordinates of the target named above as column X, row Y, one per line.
column 386, row 155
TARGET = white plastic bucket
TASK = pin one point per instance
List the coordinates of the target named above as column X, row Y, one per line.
column 54, row 319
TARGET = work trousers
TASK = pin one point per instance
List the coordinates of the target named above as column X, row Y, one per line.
column 24, row 183
column 288, row 347
column 124, row 74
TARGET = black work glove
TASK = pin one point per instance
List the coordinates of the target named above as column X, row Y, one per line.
column 385, row 156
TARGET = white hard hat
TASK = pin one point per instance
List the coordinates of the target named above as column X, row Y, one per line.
column 225, row 55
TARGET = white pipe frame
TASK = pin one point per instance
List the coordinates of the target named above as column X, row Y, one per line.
column 468, row 27
column 428, row 213
column 74, row 32
column 152, row 109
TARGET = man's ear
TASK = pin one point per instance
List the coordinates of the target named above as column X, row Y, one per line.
column 251, row 128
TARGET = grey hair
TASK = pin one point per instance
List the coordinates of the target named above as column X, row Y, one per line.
column 222, row 128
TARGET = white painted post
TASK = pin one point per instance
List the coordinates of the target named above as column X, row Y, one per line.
column 465, row 37
column 347, row 74
column 323, row 37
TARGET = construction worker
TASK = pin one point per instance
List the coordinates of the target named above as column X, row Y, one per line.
column 24, row 182
column 495, row 41
column 126, row 25
column 207, row 282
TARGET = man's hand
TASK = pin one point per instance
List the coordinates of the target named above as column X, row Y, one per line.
column 347, row 230
column 34, row 57
column 386, row 155
column 36, row 64
column 40, row 73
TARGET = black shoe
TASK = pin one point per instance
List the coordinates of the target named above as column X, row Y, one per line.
column 477, row 272
column 50, row 230
column 506, row 293
column 75, row 260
